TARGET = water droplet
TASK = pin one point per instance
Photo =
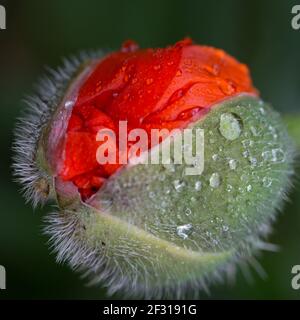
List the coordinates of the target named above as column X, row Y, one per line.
column 198, row 185
column 253, row 161
column 215, row 242
column 188, row 211
column 149, row 81
column 244, row 177
column 278, row 155
column 247, row 143
column 254, row 131
column 184, row 230
column 229, row 188
column 129, row 46
column 241, row 190
column 151, row 195
column 267, row 155
column 209, row 235
column 273, row 132
column 178, row 73
column 275, row 155
column 245, row 154
column 216, row 69
column 230, row 126
column 225, row 228
column 267, row 182
column 227, row 87
column 262, row 110
column 215, row 157
column 214, row 180
column 69, row 104
column 232, row 164
column 179, row 185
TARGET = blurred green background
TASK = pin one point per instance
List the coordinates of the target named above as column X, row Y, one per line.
column 39, row 33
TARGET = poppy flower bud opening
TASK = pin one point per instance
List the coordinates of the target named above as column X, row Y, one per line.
column 155, row 228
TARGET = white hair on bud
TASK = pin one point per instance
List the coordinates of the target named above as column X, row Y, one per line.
column 40, row 107
column 131, row 277
column 67, row 240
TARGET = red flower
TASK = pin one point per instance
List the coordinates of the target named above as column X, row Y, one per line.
column 150, row 88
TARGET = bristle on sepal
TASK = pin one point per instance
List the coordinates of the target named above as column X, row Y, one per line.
column 35, row 180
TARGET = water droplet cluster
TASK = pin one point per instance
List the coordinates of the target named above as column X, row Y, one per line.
column 246, row 160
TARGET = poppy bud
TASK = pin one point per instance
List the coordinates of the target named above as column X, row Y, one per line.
column 154, row 229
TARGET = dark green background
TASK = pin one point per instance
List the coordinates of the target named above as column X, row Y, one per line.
column 39, row 33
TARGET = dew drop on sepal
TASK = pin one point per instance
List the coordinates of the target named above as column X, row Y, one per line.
column 184, row 231
column 230, row 126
